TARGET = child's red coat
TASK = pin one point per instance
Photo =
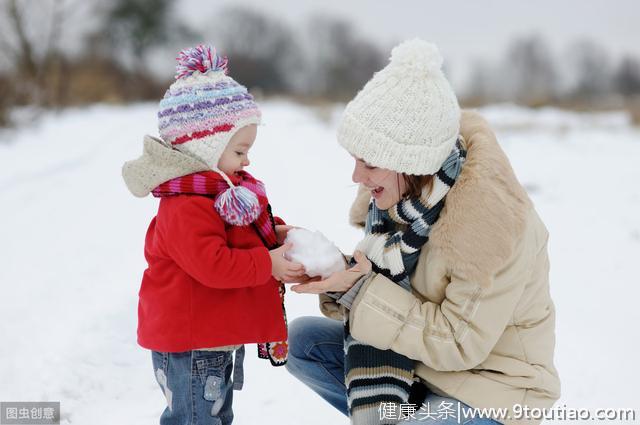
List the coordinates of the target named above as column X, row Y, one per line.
column 207, row 283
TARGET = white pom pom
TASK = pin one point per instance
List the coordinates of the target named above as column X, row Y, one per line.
column 417, row 55
column 318, row 255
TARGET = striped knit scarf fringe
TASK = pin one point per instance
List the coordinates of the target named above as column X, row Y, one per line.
column 374, row 376
column 211, row 184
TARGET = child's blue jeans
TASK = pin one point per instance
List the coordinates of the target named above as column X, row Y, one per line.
column 197, row 385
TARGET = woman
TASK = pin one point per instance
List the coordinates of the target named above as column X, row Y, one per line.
column 448, row 306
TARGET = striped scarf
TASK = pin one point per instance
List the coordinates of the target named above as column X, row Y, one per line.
column 212, row 184
column 374, row 376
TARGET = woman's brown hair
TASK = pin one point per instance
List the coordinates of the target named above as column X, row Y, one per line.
column 415, row 185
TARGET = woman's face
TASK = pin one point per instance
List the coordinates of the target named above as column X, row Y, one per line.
column 386, row 186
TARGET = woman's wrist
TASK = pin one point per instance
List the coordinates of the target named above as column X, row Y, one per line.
column 349, row 296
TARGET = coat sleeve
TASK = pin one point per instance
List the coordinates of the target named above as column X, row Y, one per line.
column 197, row 242
column 457, row 334
column 329, row 306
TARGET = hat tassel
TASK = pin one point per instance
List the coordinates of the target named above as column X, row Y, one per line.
column 237, row 205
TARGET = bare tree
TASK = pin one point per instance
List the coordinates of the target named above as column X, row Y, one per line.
column 136, row 27
column 339, row 61
column 592, row 71
column 528, row 72
column 480, row 86
column 263, row 52
column 268, row 54
column 31, row 37
column 627, row 77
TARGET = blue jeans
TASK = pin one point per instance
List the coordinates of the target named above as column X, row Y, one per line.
column 316, row 357
column 197, row 385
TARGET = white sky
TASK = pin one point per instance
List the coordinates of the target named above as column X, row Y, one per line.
column 464, row 30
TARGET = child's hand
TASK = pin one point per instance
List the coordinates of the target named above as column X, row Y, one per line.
column 281, row 232
column 283, row 269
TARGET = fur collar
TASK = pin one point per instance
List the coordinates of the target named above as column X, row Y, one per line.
column 484, row 213
column 159, row 163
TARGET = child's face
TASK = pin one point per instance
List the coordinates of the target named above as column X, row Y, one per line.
column 236, row 155
column 387, row 186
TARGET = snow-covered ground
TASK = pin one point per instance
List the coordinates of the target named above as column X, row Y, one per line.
column 71, row 239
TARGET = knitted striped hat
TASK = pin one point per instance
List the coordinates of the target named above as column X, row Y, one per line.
column 406, row 118
column 204, row 107
column 200, row 113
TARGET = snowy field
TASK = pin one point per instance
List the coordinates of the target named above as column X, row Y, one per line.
column 72, row 238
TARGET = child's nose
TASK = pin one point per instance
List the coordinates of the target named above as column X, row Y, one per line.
column 246, row 162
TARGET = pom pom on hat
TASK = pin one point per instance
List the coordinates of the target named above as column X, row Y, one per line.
column 417, row 55
column 238, row 206
column 201, row 58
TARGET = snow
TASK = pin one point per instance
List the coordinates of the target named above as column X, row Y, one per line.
column 72, row 239
column 512, row 117
column 312, row 249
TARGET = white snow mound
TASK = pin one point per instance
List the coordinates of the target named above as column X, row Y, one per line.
column 318, row 255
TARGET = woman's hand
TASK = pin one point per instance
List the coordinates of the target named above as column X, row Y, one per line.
column 305, row 278
column 283, row 269
column 281, row 232
column 339, row 281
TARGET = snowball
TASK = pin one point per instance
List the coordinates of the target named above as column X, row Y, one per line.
column 318, row 255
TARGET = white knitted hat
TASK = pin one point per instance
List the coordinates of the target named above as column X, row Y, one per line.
column 406, row 118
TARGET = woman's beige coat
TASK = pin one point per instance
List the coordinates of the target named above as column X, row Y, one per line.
column 480, row 320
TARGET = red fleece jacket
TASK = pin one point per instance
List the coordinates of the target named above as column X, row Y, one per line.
column 207, row 283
